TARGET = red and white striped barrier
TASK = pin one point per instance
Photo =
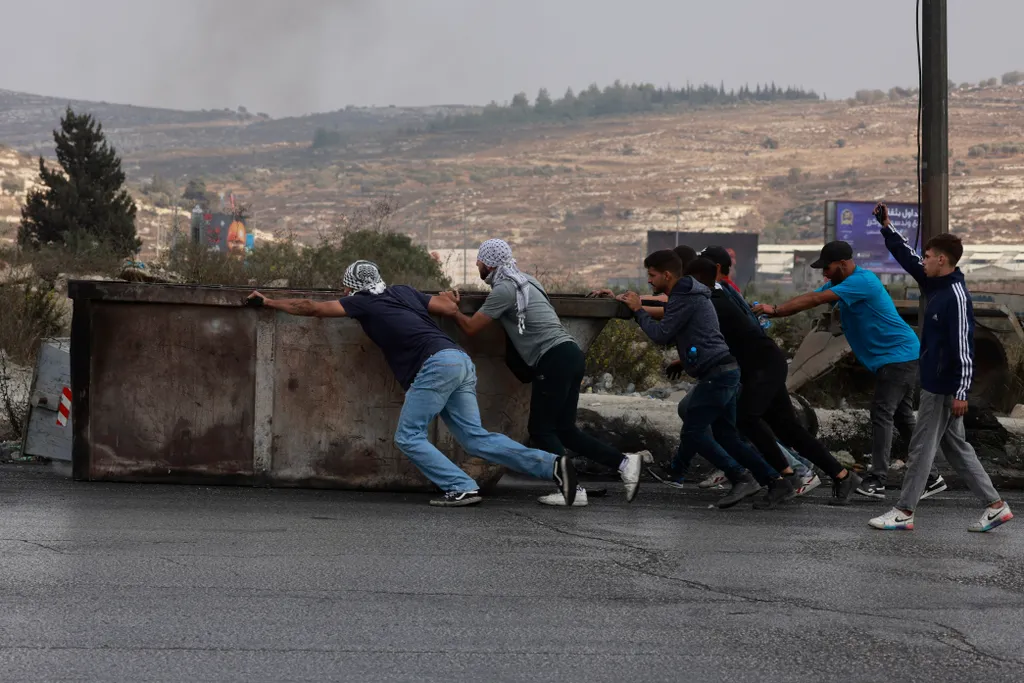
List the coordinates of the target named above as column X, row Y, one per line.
column 64, row 408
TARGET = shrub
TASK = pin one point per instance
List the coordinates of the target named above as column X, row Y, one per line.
column 770, row 143
column 840, row 143
column 624, row 351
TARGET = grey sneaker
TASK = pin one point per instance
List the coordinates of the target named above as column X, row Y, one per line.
column 740, row 491
column 779, row 490
column 843, row 488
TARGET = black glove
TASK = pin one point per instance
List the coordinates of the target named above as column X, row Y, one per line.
column 674, row 371
column 254, row 302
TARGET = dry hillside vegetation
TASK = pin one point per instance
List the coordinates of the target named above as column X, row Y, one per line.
column 581, row 196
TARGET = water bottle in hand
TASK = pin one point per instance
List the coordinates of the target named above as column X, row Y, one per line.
column 764, row 320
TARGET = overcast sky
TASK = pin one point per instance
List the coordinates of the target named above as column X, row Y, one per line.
column 299, row 56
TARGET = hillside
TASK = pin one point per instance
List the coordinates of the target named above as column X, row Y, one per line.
column 582, row 195
column 26, row 122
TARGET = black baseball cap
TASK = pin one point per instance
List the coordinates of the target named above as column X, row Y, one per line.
column 832, row 252
column 717, row 255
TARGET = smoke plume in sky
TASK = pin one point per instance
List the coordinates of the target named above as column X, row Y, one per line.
column 316, row 55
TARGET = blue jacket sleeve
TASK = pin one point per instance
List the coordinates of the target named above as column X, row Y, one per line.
column 904, row 254
column 961, row 335
column 665, row 331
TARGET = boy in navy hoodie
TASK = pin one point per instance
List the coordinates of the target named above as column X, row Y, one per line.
column 947, row 368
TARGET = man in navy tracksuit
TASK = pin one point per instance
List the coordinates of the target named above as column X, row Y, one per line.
column 947, row 368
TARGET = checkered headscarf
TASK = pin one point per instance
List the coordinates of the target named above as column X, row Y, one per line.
column 498, row 255
column 363, row 276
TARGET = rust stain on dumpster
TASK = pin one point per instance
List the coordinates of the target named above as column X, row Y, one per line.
column 171, row 391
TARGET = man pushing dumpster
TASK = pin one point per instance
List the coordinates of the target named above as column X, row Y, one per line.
column 438, row 377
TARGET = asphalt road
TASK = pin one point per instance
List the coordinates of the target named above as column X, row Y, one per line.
column 117, row 582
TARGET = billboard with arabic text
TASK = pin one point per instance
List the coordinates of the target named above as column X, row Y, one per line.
column 855, row 223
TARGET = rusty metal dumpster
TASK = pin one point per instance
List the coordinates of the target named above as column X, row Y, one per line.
column 183, row 384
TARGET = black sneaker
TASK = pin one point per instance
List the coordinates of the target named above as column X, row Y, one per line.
column 457, row 499
column 565, row 479
column 779, row 490
column 843, row 488
column 937, row 485
column 871, row 487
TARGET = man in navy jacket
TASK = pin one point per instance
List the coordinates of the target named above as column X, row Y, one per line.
column 947, row 368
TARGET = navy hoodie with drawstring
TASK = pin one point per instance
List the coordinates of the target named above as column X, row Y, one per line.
column 690, row 321
column 947, row 340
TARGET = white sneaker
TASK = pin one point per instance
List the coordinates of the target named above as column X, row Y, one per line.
column 631, row 473
column 808, row 484
column 715, row 479
column 894, row 520
column 990, row 519
column 557, row 499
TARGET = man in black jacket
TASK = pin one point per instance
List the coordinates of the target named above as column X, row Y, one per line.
column 764, row 412
column 709, row 422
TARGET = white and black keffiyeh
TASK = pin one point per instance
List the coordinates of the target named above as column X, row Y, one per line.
column 363, row 276
column 498, row 255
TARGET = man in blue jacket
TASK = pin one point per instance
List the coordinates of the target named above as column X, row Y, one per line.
column 947, row 367
column 709, row 423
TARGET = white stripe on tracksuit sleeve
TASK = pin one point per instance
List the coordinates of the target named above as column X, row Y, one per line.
column 962, row 332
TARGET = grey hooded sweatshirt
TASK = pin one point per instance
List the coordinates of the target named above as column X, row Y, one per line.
column 690, row 321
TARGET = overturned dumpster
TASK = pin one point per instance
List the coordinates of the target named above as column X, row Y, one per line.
column 184, row 384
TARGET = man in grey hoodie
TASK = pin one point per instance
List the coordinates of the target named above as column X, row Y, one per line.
column 691, row 322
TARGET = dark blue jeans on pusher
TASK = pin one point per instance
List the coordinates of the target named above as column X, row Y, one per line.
column 709, row 428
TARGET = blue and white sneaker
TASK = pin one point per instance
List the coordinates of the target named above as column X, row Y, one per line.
column 990, row 519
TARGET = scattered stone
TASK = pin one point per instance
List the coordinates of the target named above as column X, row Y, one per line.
column 1018, row 412
column 660, row 393
column 607, row 381
column 845, row 459
column 630, row 388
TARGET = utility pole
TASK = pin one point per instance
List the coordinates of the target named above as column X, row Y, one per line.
column 465, row 263
column 934, row 211
column 677, row 221
column 934, row 121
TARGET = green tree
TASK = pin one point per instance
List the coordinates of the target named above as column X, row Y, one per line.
column 86, row 204
column 520, row 101
column 195, row 191
column 543, row 103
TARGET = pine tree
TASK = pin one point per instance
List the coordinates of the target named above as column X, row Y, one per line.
column 87, row 203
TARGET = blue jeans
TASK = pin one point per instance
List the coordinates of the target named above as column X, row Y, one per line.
column 732, row 469
column 446, row 386
column 709, row 428
column 801, row 466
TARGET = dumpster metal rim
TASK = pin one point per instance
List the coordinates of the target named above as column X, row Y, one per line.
column 566, row 305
